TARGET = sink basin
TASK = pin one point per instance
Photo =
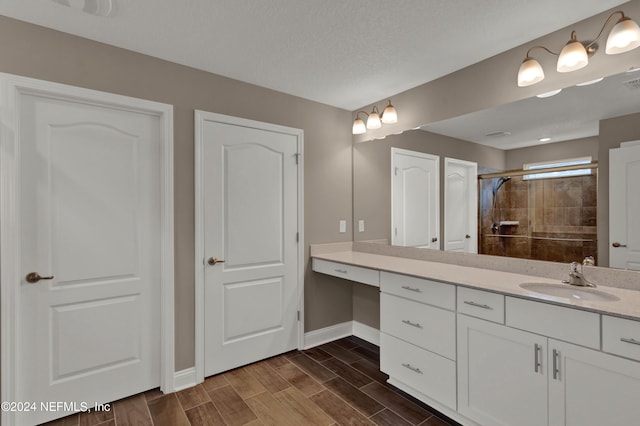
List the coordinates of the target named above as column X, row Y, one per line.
column 567, row 291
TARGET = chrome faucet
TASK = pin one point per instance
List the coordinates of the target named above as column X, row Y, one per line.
column 577, row 277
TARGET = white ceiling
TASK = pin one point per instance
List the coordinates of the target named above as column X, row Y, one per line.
column 343, row 53
column 574, row 113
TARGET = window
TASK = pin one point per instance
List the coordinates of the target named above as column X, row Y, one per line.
column 557, row 163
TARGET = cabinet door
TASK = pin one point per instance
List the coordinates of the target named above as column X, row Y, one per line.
column 502, row 374
column 588, row 387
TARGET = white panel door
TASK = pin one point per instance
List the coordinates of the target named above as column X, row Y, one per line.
column 415, row 199
column 250, row 211
column 460, row 205
column 89, row 203
column 591, row 388
column 624, row 207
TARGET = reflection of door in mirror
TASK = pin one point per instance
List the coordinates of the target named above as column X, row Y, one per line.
column 624, row 206
column 460, row 205
column 415, row 199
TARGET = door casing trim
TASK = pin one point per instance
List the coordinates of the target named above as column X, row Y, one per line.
column 200, row 118
column 11, row 87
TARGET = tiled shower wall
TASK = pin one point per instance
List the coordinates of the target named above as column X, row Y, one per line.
column 556, row 218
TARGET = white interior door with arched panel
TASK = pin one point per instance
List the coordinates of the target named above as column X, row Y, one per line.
column 248, row 241
column 460, row 205
column 624, row 206
column 415, row 199
column 87, row 247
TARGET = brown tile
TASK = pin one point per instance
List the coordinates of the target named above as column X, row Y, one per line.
column 354, row 396
column 341, row 352
column 435, row 421
column 351, row 375
column 244, row 383
column 64, row 421
column 270, row 411
column 192, row 397
column 314, row 369
column 390, row 399
column 370, row 369
column 316, row 354
column 306, row 412
column 107, row 423
column 345, row 343
column 167, row 411
column 152, row 394
column 205, row 415
column 387, row 417
column 368, row 354
column 339, row 410
column 132, row 411
column 214, row 382
column 277, row 361
column 266, row 375
column 233, row 409
column 299, row 379
column 92, row 418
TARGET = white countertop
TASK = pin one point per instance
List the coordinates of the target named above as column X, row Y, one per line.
column 500, row 282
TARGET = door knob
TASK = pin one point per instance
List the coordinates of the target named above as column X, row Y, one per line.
column 467, row 236
column 213, row 260
column 34, row 277
column 434, row 239
column 617, row 244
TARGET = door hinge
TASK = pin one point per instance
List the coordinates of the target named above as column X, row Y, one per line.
column 395, row 171
column 297, row 237
column 297, row 155
column 298, row 315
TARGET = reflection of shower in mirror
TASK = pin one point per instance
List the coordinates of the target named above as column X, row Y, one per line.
column 495, row 208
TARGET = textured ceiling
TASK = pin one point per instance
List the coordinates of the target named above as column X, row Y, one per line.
column 342, row 53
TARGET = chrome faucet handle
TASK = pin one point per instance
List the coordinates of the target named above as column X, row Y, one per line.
column 573, row 268
column 589, row 261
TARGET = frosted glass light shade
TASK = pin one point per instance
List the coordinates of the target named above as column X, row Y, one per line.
column 389, row 115
column 530, row 73
column 373, row 122
column 624, row 36
column 358, row 127
column 572, row 57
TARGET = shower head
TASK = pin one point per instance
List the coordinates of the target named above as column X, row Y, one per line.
column 501, row 182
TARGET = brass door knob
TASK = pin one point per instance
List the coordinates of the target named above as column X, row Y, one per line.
column 34, row 277
column 213, row 260
column 617, row 244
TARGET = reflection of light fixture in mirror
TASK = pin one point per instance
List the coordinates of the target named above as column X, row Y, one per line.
column 624, row 36
column 545, row 139
column 590, row 82
column 374, row 119
column 549, row 94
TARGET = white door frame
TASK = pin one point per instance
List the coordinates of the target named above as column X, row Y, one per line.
column 200, row 118
column 11, row 87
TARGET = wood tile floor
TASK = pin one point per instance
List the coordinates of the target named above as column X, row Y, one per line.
column 338, row 383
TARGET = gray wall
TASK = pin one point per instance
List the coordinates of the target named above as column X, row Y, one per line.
column 37, row 52
column 584, row 147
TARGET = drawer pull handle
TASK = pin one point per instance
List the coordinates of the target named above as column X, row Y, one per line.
column 556, row 364
column 412, row 368
column 629, row 340
column 536, row 351
column 417, row 290
column 478, row 305
column 417, row 325
column 342, row 271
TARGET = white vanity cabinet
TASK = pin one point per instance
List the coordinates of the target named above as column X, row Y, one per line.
column 502, row 375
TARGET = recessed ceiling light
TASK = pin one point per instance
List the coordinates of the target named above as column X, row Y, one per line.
column 498, row 134
column 549, row 94
column 590, row 82
column 544, row 139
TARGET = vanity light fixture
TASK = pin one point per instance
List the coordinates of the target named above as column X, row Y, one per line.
column 375, row 120
column 623, row 37
column 549, row 94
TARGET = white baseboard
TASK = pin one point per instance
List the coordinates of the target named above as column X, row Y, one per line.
column 338, row 331
column 184, row 379
column 327, row 334
column 366, row 332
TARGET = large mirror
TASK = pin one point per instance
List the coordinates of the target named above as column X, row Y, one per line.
column 583, row 121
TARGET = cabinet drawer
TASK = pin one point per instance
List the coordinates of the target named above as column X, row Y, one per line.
column 349, row 272
column 419, row 289
column 424, row 371
column 481, row 304
column 558, row 322
column 423, row 325
column 621, row 337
